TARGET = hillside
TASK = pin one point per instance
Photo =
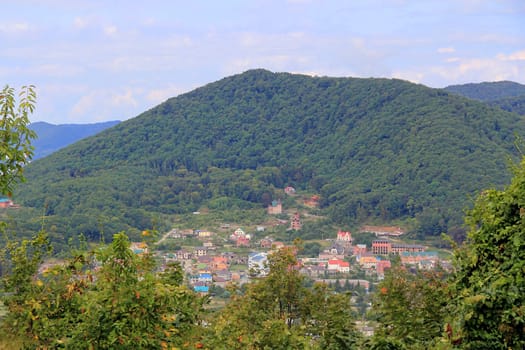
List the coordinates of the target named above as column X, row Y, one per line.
column 53, row 137
column 511, row 104
column 507, row 95
column 371, row 148
column 489, row 91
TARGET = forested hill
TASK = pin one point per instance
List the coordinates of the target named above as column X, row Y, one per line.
column 489, row 91
column 371, row 148
column 51, row 137
column 506, row 95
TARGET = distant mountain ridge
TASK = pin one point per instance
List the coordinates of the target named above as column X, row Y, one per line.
column 489, row 91
column 53, row 137
column 506, row 95
column 373, row 149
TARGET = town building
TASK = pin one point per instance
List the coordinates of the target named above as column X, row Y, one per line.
column 385, row 247
column 296, row 222
column 275, row 207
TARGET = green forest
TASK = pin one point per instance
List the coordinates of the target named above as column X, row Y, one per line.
column 506, row 95
column 374, row 150
column 106, row 296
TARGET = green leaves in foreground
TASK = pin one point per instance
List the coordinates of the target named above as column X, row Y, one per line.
column 15, row 136
column 109, row 299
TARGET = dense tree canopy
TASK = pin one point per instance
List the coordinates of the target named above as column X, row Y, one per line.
column 490, row 277
column 372, row 148
column 489, row 91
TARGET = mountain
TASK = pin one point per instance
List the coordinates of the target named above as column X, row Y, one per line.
column 54, row 137
column 492, row 91
column 506, row 95
column 372, row 149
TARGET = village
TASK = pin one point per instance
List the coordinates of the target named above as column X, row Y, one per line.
column 233, row 255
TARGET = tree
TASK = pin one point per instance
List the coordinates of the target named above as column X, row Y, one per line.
column 280, row 312
column 112, row 299
column 411, row 307
column 15, row 136
column 489, row 281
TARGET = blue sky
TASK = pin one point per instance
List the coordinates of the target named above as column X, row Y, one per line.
column 99, row 60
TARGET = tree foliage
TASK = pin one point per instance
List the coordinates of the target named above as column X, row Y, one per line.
column 411, row 308
column 280, row 312
column 111, row 299
column 490, row 277
column 489, row 91
column 15, row 136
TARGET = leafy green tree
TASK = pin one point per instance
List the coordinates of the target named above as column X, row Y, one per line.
column 280, row 312
column 113, row 299
column 15, row 136
column 411, row 307
column 490, row 268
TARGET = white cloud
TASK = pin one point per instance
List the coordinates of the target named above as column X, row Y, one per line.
column 463, row 70
column 125, row 99
column 110, row 30
column 84, row 104
column 14, row 28
column 80, row 23
column 515, row 56
column 412, row 76
column 55, row 70
column 446, row 50
column 157, row 96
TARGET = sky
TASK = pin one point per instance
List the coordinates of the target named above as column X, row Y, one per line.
column 100, row 60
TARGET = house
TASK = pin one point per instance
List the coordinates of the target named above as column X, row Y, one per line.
column 381, row 266
column 204, row 233
column 183, row 255
column 422, row 259
column 338, row 266
column 224, row 274
column 381, row 246
column 208, row 244
column 335, row 251
column 398, row 248
column 360, row 249
column 243, row 241
column 275, row 207
column 289, row 190
column 201, row 289
column 200, row 251
column 312, row 202
column 383, row 230
column 186, row 233
column 257, row 263
column 333, row 265
column 174, row 233
column 368, row 261
column 204, row 259
column 266, row 242
column 344, row 236
column 139, row 247
column 314, row 270
column 5, row 202
column 237, row 233
column 205, row 278
column 296, row 222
